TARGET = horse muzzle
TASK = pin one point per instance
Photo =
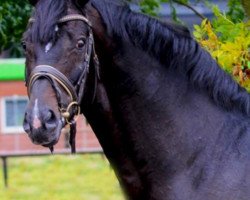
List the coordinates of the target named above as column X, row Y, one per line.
column 43, row 129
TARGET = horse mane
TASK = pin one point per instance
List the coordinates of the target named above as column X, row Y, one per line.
column 46, row 15
column 174, row 46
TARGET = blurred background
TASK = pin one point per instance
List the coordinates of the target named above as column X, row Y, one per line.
column 29, row 171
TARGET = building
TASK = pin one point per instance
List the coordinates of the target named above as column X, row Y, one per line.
column 13, row 101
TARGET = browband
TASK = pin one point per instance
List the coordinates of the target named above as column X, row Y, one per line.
column 68, row 18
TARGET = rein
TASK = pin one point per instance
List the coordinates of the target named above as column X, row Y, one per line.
column 55, row 77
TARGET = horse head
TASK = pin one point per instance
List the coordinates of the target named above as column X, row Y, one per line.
column 59, row 51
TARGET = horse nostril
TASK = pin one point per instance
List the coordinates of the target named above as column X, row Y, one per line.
column 50, row 118
column 26, row 125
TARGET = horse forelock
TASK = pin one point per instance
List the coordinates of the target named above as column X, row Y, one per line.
column 46, row 15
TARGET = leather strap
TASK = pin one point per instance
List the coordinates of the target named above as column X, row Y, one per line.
column 67, row 18
column 53, row 73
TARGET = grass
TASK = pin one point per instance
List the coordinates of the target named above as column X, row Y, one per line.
column 81, row 177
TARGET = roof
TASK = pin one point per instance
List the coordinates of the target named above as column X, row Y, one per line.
column 11, row 69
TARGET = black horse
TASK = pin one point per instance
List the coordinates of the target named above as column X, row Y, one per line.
column 173, row 125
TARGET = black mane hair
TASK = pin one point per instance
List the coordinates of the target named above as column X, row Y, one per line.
column 46, row 15
column 173, row 46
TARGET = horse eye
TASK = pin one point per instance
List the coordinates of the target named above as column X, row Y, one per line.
column 24, row 46
column 80, row 44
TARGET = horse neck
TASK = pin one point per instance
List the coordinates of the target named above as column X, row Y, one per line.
column 139, row 81
column 143, row 109
column 151, row 108
column 134, row 81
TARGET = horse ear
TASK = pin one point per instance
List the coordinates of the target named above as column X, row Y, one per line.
column 33, row 2
column 81, row 3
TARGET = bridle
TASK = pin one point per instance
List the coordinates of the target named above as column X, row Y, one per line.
column 56, row 78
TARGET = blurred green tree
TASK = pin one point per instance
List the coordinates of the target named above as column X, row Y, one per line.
column 13, row 20
column 235, row 9
column 246, row 6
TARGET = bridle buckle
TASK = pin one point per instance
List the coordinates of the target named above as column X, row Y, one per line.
column 66, row 112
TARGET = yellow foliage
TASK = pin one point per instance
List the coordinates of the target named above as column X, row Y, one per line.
column 229, row 44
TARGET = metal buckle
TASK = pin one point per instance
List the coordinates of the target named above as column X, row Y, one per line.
column 66, row 114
